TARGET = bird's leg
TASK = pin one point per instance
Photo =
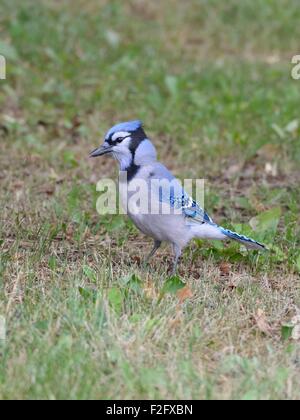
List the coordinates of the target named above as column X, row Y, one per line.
column 177, row 252
column 157, row 245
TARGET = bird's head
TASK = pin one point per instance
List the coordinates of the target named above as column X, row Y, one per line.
column 128, row 143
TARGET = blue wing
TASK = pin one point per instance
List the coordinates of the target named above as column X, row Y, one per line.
column 190, row 208
column 197, row 213
column 178, row 199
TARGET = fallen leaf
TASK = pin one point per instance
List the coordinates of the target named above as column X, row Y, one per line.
column 53, row 175
column 234, row 170
column 272, row 59
column 271, row 169
column 136, row 259
column 150, row 290
column 47, row 189
column 18, row 185
column 292, row 126
column 225, row 268
column 296, row 320
column 177, row 319
column 262, row 323
column 184, row 294
column 296, row 333
column 296, row 330
column 70, row 232
column 269, row 151
column 113, row 38
column 291, row 329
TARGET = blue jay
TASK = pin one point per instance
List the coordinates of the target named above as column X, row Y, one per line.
column 130, row 146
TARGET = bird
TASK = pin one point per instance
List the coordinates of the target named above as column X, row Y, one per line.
column 179, row 218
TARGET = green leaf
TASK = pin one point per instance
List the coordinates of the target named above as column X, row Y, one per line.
column 8, row 51
column 88, row 294
column 132, row 282
column 116, row 223
column 277, row 254
column 90, row 273
column 135, row 318
column 42, row 325
column 298, row 262
column 172, row 285
column 251, row 395
column 52, row 263
column 217, row 245
column 267, row 221
column 69, row 159
column 279, row 131
column 243, row 202
column 115, row 299
column 286, row 331
column 152, row 324
column 172, row 84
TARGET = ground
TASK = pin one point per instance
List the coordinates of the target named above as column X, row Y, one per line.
column 212, row 82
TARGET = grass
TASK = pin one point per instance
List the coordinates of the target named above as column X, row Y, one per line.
column 211, row 81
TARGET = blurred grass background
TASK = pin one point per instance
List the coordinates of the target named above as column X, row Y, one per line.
column 212, row 82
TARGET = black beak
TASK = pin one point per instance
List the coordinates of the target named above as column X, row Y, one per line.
column 101, row 151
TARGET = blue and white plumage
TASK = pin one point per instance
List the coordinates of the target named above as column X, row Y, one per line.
column 184, row 218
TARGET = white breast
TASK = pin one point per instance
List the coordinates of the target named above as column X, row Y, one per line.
column 162, row 227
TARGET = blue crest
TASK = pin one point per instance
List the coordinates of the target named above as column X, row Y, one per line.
column 125, row 126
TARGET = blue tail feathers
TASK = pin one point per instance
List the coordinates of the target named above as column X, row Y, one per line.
column 248, row 242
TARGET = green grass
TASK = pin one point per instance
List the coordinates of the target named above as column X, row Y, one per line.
column 212, row 83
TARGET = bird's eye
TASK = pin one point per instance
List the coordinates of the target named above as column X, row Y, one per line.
column 119, row 139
